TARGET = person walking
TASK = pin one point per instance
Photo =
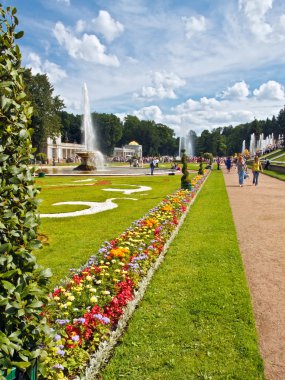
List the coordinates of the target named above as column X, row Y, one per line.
column 241, row 168
column 256, row 169
column 228, row 164
column 152, row 165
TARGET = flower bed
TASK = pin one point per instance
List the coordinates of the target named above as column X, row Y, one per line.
column 90, row 311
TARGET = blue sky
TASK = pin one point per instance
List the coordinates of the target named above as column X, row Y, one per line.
column 187, row 64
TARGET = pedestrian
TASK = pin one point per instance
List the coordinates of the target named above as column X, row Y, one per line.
column 256, row 169
column 152, row 165
column 266, row 166
column 241, row 168
column 228, row 164
column 218, row 163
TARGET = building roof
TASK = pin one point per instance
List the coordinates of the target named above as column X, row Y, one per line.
column 133, row 143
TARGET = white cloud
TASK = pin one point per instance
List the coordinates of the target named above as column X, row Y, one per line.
column 67, row 2
column 255, row 12
column 270, row 91
column 204, row 103
column 53, row 71
column 87, row 48
column 149, row 113
column 208, row 113
column 238, row 91
column 81, row 25
column 194, row 25
column 282, row 21
column 106, row 25
column 163, row 86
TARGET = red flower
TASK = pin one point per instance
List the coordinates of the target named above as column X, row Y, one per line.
column 56, row 292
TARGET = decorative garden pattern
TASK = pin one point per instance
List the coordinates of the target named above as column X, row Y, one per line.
column 95, row 207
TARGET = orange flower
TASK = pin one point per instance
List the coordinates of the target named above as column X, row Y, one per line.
column 119, row 252
column 167, row 208
column 150, row 222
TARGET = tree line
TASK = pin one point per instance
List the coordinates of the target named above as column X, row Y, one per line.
column 49, row 120
column 228, row 140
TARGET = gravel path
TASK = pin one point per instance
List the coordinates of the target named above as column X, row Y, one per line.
column 259, row 216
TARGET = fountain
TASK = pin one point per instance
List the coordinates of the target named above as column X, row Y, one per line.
column 189, row 145
column 252, row 145
column 243, row 147
column 186, row 144
column 91, row 158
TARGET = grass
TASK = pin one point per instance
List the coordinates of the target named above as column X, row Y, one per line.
column 196, row 320
column 273, row 154
column 69, row 242
column 275, row 174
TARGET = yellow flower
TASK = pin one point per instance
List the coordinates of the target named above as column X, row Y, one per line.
column 88, row 278
column 106, row 292
column 71, row 298
column 93, row 299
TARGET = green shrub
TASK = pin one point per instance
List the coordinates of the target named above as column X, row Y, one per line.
column 185, row 179
column 22, row 283
column 42, row 157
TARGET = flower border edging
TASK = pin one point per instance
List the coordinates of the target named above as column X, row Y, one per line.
column 105, row 349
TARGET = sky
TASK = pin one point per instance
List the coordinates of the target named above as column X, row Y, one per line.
column 187, row 64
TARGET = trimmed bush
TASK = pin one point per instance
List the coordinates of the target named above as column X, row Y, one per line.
column 22, row 283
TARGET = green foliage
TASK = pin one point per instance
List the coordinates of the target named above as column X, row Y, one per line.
column 22, row 283
column 42, row 157
column 156, row 139
column 45, row 120
column 185, row 179
column 281, row 125
column 71, row 127
column 228, row 140
column 109, row 129
column 208, row 156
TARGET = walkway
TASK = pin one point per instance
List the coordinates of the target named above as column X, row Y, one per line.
column 259, row 216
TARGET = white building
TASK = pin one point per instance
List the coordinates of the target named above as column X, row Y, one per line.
column 62, row 152
column 128, row 151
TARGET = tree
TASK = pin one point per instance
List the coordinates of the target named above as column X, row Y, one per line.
column 109, row 131
column 168, row 144
column 46, row 120
column 71, row 127
column 156, row 139
column 131, row 127
column 204, row 143
column 22, row 284
column 281, row 125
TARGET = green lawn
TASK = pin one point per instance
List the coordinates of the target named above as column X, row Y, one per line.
column 69, row 242
column 273, row 154
column 196, row 320
column 275, row 174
